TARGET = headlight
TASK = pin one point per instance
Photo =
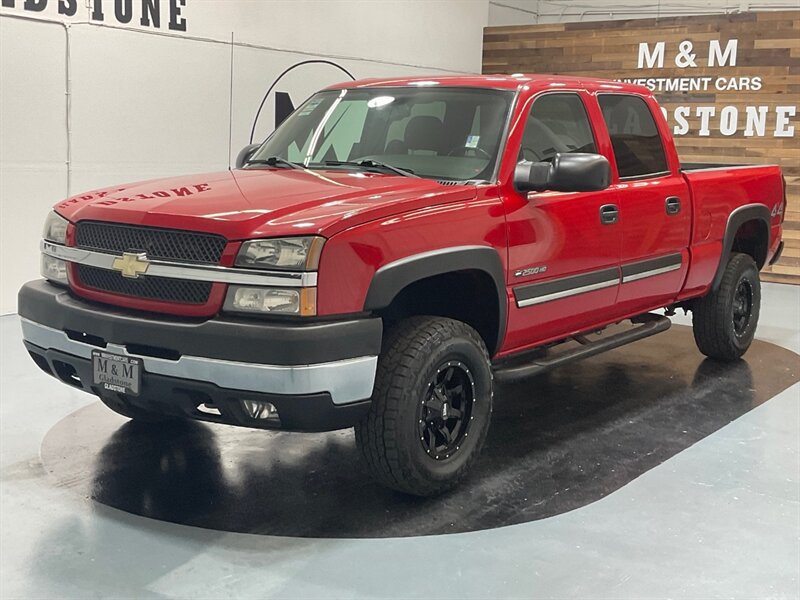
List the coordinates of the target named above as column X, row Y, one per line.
column 55, row 228
column 54, row 269
column 295, row 253
column 285, row 301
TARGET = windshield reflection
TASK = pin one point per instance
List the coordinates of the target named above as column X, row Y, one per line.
column 440, row 133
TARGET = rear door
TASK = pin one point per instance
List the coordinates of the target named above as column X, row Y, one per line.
column 654, row 203
column 563, row 261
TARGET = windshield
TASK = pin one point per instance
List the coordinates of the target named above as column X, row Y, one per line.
column 441, row 133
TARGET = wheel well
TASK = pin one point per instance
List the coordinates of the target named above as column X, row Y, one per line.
column 469, row 296
column 752, row 238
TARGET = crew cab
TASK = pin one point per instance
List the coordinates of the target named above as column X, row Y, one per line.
column 392, row 250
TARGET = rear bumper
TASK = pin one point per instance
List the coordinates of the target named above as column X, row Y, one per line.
column 318, row 376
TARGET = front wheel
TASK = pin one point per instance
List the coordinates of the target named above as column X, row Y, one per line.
column 431, row 406
column 724, row 322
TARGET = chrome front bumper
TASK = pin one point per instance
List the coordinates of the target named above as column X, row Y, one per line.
column 349, row 380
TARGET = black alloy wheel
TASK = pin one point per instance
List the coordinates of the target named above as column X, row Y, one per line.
column 431, row 406
column 742, row 307
column 446, row 411
column 724, row 321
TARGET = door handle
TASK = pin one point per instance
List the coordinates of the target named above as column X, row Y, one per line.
column 673, row 205
column 609, row 214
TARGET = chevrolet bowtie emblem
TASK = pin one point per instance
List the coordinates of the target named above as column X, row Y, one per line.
column 131, row 264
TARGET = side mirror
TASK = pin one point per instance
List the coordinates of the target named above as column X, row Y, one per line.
column 245, row 154
column 576, row 172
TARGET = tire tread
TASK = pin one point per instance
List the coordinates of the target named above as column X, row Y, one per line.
column 710, row 314
column 377, row 435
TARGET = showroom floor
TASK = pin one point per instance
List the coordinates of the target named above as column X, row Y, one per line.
column 646, row 490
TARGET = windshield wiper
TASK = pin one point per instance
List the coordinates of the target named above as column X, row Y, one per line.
column 274, row 161
column 372, row 164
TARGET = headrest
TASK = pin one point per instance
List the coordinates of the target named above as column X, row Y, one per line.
column 424, row 133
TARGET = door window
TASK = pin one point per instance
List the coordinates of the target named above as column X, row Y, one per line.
column 557, row 123
column 634, row 136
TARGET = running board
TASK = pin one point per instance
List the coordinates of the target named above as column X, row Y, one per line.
column 648, row 324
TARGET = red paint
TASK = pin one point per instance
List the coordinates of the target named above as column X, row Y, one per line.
column 370, row 220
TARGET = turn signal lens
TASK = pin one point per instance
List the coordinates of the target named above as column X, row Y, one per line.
column 308, row 302
column 292, row 301
column 54, row 269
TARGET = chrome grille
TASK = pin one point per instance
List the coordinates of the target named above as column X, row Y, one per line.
column 159, row 244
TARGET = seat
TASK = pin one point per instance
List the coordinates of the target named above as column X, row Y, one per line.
column 396, row 147
column 423, row 133
column 539, row 142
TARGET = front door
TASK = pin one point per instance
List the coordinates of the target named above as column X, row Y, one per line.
column 564, row 248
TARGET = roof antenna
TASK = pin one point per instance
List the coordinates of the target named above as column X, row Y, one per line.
column 230, row 115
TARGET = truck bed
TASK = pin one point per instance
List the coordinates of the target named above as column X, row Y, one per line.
column 718, row 191
column 708, row 166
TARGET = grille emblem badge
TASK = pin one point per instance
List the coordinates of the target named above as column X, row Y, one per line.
column 131, row 264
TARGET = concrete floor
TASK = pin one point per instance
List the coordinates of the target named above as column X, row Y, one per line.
column 720, row 519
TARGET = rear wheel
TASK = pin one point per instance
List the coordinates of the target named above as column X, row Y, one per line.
column 431, row 406
column 724, row 321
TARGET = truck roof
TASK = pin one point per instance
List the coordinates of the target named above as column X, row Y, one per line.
column 516, row 81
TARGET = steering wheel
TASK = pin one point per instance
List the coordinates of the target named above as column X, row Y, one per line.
column 463, row 150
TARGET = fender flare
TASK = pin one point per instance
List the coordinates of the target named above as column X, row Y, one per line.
column 748, row 212
column 390, row 279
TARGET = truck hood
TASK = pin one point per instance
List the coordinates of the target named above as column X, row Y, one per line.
column 262, row 202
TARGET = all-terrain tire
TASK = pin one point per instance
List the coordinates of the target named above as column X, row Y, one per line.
column 724, row 321
column 416, row 387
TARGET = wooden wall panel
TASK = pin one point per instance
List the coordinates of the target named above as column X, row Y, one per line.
column 768, row 48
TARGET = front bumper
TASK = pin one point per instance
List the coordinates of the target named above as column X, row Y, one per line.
column 319, row 376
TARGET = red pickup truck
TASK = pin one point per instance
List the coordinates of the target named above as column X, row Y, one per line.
column 394, row 248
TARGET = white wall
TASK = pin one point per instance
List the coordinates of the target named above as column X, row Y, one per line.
column 526, row 12
column 32, row 146
column 148, row 103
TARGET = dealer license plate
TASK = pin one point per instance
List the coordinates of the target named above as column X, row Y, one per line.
column 117, row 373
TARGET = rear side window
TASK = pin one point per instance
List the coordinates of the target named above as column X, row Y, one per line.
column 634, row 136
